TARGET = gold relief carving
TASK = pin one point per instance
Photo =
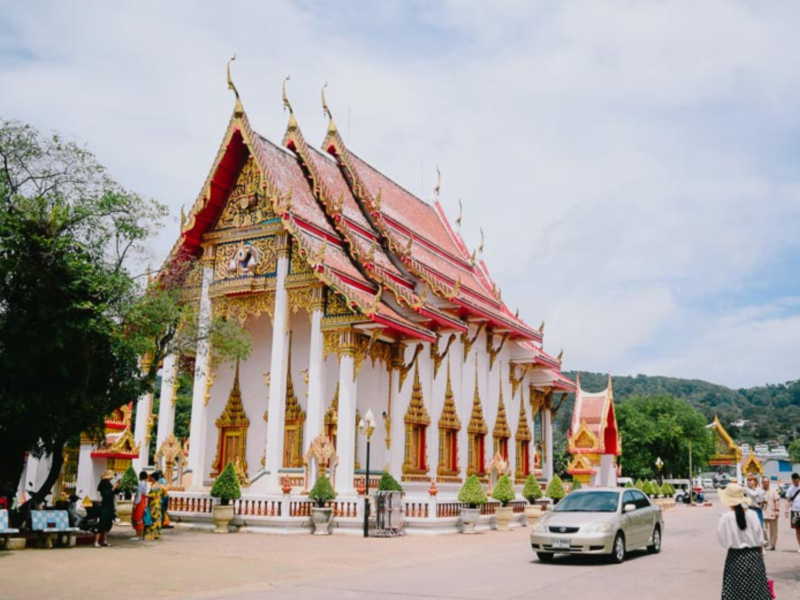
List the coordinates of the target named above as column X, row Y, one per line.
column 210, row 377
column 537, row 399
column 307, row 298
column 249, row 257
column 175, row 383
column 330, row 343
column 336, row 305
column 232, row 426
column 491, row 350
column 476, row 430
column 516, row 381
column 294, row 421
column 437, row 356
column 363, row 348
column 298, row 265
column 240, row 307
column 469, row 342
column 248, row 204
column 501, row 428
column 404, row 369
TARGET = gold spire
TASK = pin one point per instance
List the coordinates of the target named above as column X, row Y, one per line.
column 327, row 111
column 449, row 418
column 480, row 248
column 523, row 430
column 476, row 422
column 460, row 214
column 438, row 185
column 234, row 415
column 293, row 409
column 238, row 110
column 501, row 429
column 416, row 413
column 287, row 105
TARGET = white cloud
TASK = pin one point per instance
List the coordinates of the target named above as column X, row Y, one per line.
column 630, row 163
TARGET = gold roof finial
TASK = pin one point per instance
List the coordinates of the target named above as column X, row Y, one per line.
column 438, row 182
column 288, row 105
column 327, row 111
column 480, row 248
column 460, row 214
column 541, row 328
column 238, row 109
column 560, row 357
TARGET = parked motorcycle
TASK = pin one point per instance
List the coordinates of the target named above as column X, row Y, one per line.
column 89, row 521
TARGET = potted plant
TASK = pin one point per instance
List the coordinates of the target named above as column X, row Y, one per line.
column 532, row 491
column 389, row 484
column 320, row 495
column 226, row 488
column 647, row 489
column 504, row 493
column 127, row 488
column 473, row 495
column 555, row 489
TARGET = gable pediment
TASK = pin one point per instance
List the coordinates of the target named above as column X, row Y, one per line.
column 248, row 204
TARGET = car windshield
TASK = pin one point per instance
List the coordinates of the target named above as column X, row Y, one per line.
column 589, row 502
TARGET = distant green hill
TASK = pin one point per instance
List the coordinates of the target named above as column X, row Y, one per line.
column 772, row 412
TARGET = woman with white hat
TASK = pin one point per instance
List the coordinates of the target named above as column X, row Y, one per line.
column 107, row 512
column 739, row 530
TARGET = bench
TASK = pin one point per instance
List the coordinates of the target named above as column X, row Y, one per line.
column 52, row 525
column 5, row 531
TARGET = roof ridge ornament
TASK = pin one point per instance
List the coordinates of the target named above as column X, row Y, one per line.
column 480, row 247
column 327, row 112
column 460, row 214
column 288, row 105
column 238, row 110
column 438, row 185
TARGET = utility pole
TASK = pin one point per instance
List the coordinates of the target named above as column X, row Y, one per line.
column 691, row 481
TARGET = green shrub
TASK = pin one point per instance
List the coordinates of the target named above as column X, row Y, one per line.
column 647, row 488
column 628, row 484
column 576, row 485
column 322, row 492
column 226, row 486
column 555, row 489
column 472, row 493
column 639, row 485
column 670, row 489
column 504, row 491
column 655, row 489
column 532, row 490
column 129, row 483
column 389, row 483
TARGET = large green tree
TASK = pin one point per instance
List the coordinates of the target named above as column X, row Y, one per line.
column 76, row 314
column 661, row 427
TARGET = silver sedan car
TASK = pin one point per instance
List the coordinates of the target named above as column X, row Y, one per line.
column 599, row 521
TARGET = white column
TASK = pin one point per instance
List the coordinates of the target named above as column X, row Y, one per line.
column 144, row 406
column 197, row 431
column 547, row 443
column 346, row 427
column 166, row 406
column 316, row 380
column 86, row 484
column 277, row 388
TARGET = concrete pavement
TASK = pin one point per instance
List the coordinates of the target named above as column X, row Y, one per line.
column 492, row 565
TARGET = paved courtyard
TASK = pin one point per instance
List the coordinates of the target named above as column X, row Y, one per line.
column 492, row 565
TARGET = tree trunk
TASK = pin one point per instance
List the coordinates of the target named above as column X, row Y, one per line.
column 52, row 476
column 11, row 465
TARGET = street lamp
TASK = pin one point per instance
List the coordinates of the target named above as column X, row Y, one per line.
column 367, row 425
column 659, row 466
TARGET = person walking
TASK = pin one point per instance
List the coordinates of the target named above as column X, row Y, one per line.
column 793, row 506
column 107, row 492
column 153, row 530
column 772, row 510
column 740, row 531
column 139, row 507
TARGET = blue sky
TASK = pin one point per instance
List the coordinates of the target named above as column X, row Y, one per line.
column 634, row 165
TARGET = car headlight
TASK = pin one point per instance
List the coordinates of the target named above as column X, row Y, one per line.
column 597, row 528
column 540, row 527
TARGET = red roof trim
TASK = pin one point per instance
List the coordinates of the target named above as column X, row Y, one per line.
column 403, row 329
column 102, row 454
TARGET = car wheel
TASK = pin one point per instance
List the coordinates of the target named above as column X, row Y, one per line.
column 655, row 547
column 618, row 549
column 545, row 557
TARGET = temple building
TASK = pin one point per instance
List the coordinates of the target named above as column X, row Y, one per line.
column 593, row 439
column 358, row 296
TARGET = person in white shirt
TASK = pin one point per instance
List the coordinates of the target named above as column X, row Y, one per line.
column 739, row 530
column 756, row 495
column 772, row 510
column 793, row 506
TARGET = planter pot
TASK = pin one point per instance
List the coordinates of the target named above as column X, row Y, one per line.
column 125, row 510
column 469, row 517
column 532, row 514
column 222, row 516
column 321, row 518
column 503, row 516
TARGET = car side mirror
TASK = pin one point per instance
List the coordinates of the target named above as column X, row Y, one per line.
column 628, row 507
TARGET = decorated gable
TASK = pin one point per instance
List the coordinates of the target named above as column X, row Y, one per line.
column 248, row 204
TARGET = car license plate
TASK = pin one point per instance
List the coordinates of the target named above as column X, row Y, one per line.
column 560, row 542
